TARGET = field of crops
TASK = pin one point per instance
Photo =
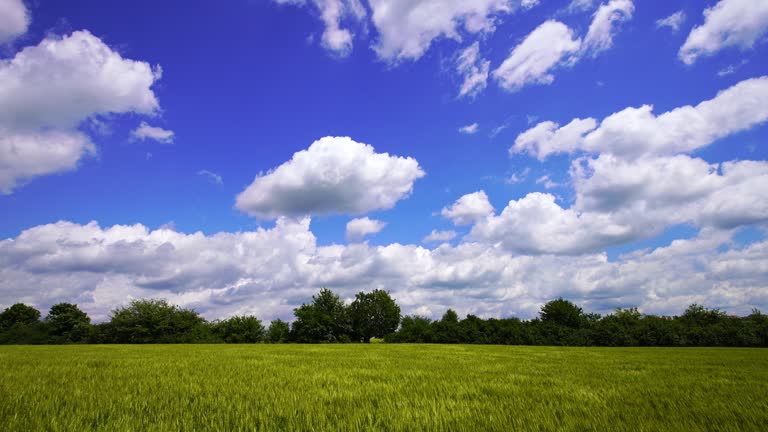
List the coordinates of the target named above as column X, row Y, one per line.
column 380, row 387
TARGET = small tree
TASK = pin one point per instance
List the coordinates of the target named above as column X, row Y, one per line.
column 240, row 329
column 155, row 321
column 67, row 323
column 562, row 312
column 373, row 314
column 324, row 320
column 18, row 314
column 278, row 332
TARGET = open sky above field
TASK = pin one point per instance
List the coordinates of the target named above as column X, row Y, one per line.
column 484, row 155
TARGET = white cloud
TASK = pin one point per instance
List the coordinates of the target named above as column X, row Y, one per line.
column 333, row 13
column 334, row 175
column 440, row 236
column 14, row 20
column 550, row 45
column 62, row 81
column 408, row 27
column 548, row 137
column 673, row 21
column 48, row 90
column 729, row 23
column 26, row 155
column 518, row 177
column 269, row 272
column 580, row 6
column 358, row 228
column 529, row 4
column 211, row 176
column 634, row 132
column 469, row 129
column 145, row 131
column 473, row 69
column 535, row 225
column 468, row 209
column 602, row 29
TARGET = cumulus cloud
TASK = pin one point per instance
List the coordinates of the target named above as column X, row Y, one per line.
column 358, row 228
column 14, row 20
column 729, row 23
column 603, row 27
column 469, row 129
column 440, row 236
column 536, row 224
column 468, row 209
column 634, row 132
column 29, row 154
column 635, row 180
column 334, row 175
column 145, row 131
column 269, row 272
column 407, row 28
column 473, row 69
column 673, row 22
column 550, row 45
column 48, row 90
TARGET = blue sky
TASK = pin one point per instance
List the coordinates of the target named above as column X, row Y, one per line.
column 245, row 86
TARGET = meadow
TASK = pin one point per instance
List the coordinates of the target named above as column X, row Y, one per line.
column 381, row 387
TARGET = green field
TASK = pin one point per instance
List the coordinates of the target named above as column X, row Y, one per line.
column 381, row 387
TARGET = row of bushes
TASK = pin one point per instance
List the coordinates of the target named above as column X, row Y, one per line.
column 376, row 315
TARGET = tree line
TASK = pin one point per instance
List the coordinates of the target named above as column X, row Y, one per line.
column 327, row 319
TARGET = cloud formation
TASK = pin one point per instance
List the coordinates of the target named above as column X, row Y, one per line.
column 334, row 175
column 14, row 20
column 358, row 228
column 407, row 28
column 729, row 23
column 673, row 22
column 268, row 272
column 48, row 90
column 634, row 132
column 145, row 131
column 550, row 45
column 473, row 69
column 468, row 209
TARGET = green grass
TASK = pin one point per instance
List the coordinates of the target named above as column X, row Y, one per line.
column 381, row 387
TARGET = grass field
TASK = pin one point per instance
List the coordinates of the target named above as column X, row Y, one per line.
column 381, row 387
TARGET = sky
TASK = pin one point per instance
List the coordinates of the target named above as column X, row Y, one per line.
column 486, row 155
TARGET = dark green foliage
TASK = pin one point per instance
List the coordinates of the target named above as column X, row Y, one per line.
column 279, row 331
column 413, row 329
column 326, row 319
column 18, row 314
column 68, row 324
column 239, row 329
column 156, row 321
column 373, row 314
column 561, row 312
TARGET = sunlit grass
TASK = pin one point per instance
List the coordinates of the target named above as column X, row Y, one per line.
column 381, row 387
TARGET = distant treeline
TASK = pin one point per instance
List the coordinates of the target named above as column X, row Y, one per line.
column 376, row 315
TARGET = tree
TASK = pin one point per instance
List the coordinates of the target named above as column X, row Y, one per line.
column 326, row 319
column 447, row 330
column 415, row 329
column 67, row 323
column 278, row 332
column 562, row 312
column 373, row 314
column 240, row 329
column 18, row 314
column 155, row 321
